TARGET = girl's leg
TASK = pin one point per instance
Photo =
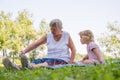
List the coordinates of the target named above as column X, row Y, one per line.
column 87, row 61
column 78, row 62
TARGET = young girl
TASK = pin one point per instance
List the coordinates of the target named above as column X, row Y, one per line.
column 94, row 54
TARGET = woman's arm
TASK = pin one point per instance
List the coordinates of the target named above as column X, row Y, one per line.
column 34, row 45
column 73, row 50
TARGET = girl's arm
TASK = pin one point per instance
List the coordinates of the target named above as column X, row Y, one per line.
column 95, row 50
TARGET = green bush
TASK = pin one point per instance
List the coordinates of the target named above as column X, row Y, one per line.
column 108, row 71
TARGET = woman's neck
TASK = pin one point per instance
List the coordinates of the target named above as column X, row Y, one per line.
column 58, row 37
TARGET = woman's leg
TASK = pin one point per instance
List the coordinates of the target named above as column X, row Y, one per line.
column 54, row 61
column 38, row 63
column 33, row 65
column 47, row 62
column 10, row 65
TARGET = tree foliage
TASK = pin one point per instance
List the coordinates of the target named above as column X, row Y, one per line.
column 15, row 34
column 111, row 40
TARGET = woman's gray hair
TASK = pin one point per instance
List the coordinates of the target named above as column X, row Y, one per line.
column 56, row 23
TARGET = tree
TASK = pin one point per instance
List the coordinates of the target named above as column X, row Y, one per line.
column 43, row 29
column 5, row 23
column 111, row 40
column 18, row 33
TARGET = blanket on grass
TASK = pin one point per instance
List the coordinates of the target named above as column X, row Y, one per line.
column 79, row 65
column 71, row 65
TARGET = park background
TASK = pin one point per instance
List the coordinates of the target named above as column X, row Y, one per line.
column 76, row 15
column 24, row 21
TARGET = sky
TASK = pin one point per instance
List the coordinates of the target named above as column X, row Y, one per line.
column 76, row 15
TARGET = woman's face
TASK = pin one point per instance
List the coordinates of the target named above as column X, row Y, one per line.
column 55, row 31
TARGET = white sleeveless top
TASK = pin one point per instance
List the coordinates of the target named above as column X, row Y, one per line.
column 58, row 49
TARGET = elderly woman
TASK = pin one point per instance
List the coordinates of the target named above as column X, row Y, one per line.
column 58, row 43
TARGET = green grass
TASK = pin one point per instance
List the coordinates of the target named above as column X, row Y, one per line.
column 99, row 72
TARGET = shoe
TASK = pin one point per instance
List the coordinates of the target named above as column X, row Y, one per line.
column 9, row 65
column 24, row 61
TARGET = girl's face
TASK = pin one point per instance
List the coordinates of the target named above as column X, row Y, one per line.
column 55, row 31
column 82, row 40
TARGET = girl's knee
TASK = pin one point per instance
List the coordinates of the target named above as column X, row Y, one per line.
column 88, row 62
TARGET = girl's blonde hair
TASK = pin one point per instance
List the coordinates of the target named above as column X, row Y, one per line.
column 87, row 35
column 56, row 23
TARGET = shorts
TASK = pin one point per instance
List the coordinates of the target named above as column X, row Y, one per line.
column 50, row 61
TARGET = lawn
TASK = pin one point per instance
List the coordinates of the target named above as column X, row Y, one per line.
column 98, row 72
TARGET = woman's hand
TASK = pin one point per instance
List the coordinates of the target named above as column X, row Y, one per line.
column 21, row 53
